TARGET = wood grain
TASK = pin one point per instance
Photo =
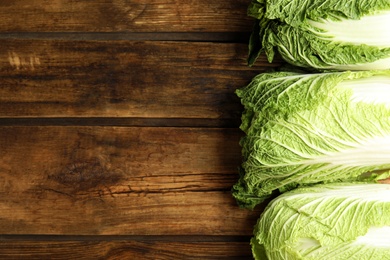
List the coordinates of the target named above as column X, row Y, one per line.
column 123, row 249
column 124, row 15
column 109, row 146
column 44, row 78
column 120, row 180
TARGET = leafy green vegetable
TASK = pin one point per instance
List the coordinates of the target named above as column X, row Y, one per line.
column 329, row 34
column 328, row 221
column 303, row 129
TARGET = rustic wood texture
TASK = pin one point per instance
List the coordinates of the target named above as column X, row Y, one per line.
column 120, row 181
column 123, row 249
column 124, row 15
column 44, row 78
column 118, row 129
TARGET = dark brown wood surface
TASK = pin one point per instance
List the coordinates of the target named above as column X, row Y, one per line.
column 63, row 78
column 124, row 15
column 120, row 181
column 124, row 248
column 119, row 130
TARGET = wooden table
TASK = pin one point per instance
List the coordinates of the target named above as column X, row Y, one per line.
column 119, row 129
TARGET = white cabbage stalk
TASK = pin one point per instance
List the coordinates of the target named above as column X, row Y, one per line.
column 335, row 221
column 371, row 30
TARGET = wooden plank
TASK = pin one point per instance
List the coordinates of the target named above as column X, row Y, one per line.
column 124, row 15
column 120, row 180
column 41, row 78
column 123, row 250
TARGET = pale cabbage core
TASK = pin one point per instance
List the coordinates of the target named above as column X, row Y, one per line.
column 375, row 237
column 371, row 30
column 363, row 153
column 378, row 237
column 306, row 244
column 375, row 89
column 367, row 193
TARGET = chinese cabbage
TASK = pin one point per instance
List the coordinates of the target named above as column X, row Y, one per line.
column 302, row 129
column 330, row 34
column 332, row 221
